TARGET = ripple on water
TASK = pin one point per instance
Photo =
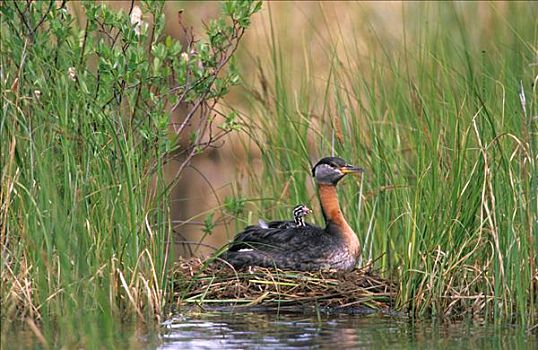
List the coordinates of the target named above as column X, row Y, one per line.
column 223, row 330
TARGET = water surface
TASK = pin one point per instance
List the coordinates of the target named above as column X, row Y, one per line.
column 226, row 330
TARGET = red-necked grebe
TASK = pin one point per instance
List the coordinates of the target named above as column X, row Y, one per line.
column 305, row 247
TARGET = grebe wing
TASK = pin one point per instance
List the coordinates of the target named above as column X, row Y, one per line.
column 281, row 224
column 292, row 238
column 275, row 224
column 285, row 224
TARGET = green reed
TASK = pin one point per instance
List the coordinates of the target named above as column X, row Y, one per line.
column 437, row 117
column 85, row 136
column 79, row 235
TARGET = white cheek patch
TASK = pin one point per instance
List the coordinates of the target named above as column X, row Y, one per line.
column 245, row 250
column 323, row 170
column 326, row 170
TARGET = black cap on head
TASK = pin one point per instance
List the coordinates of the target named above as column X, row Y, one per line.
column 330, row 170
column 335, row 162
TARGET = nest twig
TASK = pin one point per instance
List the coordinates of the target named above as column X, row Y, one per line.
column 218, row 283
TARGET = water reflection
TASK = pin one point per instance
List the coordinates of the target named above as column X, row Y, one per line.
column 220, row 330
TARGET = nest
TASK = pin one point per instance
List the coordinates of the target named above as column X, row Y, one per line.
column 219, row 284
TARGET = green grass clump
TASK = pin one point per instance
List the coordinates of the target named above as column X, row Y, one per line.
column 444, row 119
column 85, row 136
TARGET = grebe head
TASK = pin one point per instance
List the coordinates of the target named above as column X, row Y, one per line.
column 299, row 212
column 330, row 170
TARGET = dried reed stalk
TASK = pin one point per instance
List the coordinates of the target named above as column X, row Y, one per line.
column 202, row 283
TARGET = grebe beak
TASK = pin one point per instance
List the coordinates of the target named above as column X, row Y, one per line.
column 350, row 169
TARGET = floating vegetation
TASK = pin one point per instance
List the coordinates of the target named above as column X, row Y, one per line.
column 218, row 283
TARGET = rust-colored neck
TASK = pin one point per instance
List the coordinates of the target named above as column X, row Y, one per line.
column 332, row 213
column 330, row 205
